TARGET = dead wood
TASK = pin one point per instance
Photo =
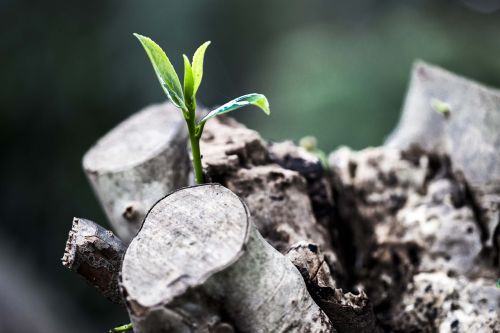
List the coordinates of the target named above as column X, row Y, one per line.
column 410, row 216
column 396, row 238
column 348, row 312
column 137, row 163
column 95, row 254
column 468, row 133
column 276, row 182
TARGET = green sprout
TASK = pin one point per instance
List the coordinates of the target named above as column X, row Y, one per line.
column 123, row 328
column 440, row 107
column 185, row 97
column 310, row 144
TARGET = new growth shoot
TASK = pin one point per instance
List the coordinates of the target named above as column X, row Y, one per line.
column 120, row 329
column 184, row 97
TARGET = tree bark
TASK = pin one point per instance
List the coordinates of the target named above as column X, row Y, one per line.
column 468, row 134
column 348, row 312
column 276, row 182
column 417, row 241
column 95, row 254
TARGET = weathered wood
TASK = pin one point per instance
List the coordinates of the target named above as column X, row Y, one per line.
column 198, row 258
column 275, row 182
column 95, row 254
column 468, row 134
column 348, row 312
column 291, row 157
column 436, row 302
column 413, row 227
column 137, row 163
column 409, row 215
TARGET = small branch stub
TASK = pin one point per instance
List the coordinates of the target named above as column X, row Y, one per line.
column 137, row 163
column 348, row 312
column 96, row 254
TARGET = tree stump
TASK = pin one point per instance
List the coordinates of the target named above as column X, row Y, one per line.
column 198, row 259
column 138, row 162
column 403, row 237
column 467, row 133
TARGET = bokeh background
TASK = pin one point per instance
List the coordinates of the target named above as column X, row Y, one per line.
column 71, row 70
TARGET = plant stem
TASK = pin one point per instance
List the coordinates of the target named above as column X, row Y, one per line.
column 123, row 328
column 194, row 138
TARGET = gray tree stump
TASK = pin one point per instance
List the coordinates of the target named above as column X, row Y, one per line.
column 416, row 240
column 413, row 228
column 468, row 133
column 137, row 163
column 198, row 259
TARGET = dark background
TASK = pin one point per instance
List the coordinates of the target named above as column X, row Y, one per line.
column 71, row 70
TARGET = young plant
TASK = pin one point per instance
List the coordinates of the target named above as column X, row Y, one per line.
column 184, row 97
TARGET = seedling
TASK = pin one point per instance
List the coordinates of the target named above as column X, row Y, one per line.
column 185, row 97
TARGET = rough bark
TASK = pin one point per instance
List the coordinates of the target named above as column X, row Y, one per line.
column 289, row 156
column 348, row 312
column 137, row 163
column 275, row 182
column 468, row 134
column 198, row 259
column 95, row 254
column 409, row 216
column 436, row 302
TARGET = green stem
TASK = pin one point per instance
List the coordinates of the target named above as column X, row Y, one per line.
column 123, row 328
column 194, row 138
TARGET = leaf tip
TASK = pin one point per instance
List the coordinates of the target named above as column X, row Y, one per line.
column 138, row 36
column 143, row 39
column 264, row 105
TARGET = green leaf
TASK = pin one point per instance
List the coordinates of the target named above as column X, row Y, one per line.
column 198, row 57
column 250, row 99
column 188, row 81
column 164, row 71
column 123, row 328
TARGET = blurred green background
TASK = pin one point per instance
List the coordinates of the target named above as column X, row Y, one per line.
column 71, row 70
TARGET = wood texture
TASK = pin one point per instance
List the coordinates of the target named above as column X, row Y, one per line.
column 281, row 184
column 469, row 135
column 396, row 238
column 95, row 254
column 416, row 241
column 198, row 258
column 137, row 163
column 348, row 312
